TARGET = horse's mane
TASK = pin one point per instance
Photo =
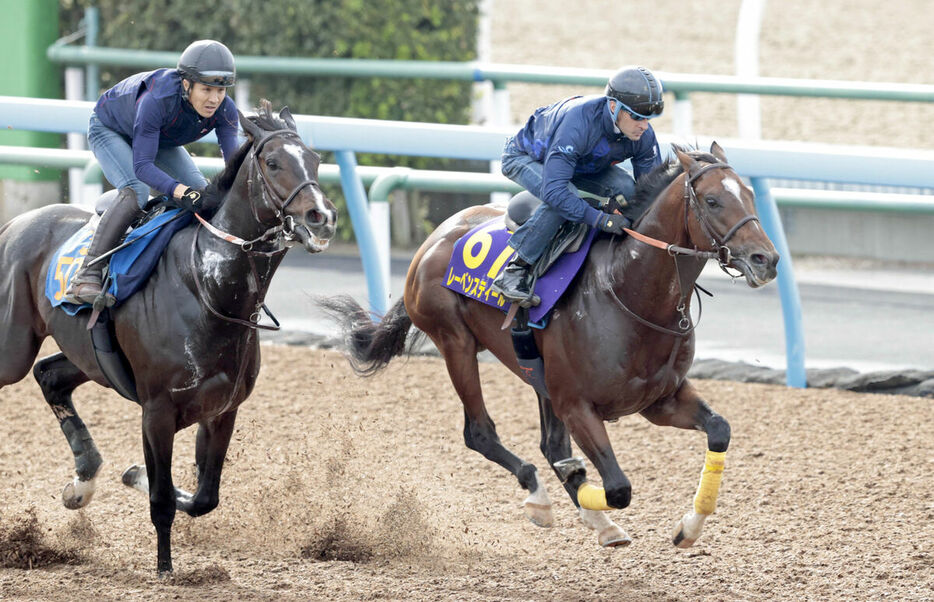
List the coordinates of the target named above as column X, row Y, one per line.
column 221, row 183
column 650, row 186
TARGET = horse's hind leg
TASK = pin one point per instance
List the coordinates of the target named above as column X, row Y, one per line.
column 556, row 446
column 689, row 411
column 58, row 377
column 210, row 451
column 480, row 431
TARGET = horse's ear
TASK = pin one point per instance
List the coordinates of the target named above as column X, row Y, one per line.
column 717, row 152
column 252, row 130
column 687, row 161
column 286, row 115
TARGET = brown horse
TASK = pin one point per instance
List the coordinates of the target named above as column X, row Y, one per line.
column 189, row 335
column 619, row 342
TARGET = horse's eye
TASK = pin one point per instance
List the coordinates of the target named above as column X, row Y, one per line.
column 712, row 201
column 271, row 164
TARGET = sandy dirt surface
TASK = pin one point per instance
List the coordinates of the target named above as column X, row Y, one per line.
column 342, row 489
column 858, row 40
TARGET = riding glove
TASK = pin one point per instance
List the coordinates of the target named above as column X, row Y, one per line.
column 612, row 223
column 190, row 199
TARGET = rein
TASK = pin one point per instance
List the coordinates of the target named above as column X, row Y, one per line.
column 285, row 229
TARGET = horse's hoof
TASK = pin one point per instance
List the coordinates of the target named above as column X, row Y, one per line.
column 135, row 477
column 688, row 530
column 540, row 514
column 78, row 493
column 614, row 536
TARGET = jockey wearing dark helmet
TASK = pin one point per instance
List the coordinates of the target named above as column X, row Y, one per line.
column 137, row 132
column 575, row 144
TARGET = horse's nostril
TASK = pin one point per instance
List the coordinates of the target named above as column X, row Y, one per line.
column 314, row 218
column 758, row 259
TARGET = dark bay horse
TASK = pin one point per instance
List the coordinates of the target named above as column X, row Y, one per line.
column 190, row 335
column 619, row 342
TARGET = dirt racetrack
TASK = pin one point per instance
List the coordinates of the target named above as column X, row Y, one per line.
column 342, row 489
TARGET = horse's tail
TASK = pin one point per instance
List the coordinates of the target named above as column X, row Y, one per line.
column 371, row 345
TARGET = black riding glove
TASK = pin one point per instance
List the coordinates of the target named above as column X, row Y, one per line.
column 190, row 200
column 615, row 204
column 613, row 224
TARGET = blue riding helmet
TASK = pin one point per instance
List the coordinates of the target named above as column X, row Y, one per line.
column 637, row 90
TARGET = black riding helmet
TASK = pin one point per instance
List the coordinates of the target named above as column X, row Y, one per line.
column 638, row 90
column 208, row 62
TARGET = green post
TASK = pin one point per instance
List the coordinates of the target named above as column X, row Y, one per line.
column 27, row 29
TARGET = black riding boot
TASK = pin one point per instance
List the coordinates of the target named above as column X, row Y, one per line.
column 514, row 283
column 86, row 285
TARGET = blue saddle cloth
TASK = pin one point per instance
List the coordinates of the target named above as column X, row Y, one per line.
column 481, row 254
column 129, row 267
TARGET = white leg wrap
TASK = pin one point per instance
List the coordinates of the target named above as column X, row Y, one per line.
column 608, row 533
column 538, row 506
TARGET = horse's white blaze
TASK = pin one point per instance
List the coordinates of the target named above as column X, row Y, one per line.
column 732, row 186
column 299, row 153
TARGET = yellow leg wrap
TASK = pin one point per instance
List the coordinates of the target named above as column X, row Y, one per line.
column 705, row 501
column 592, row 498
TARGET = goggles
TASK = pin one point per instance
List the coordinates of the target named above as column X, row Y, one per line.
column 646, row 111
column 220, row 79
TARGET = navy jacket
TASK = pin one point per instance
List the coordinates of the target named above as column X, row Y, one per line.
column 577, row 136
column 148, row 110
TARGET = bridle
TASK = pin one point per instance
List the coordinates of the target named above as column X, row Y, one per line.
column 285, row 229
column 721, row 252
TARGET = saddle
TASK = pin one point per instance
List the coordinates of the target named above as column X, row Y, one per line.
column 569, row 239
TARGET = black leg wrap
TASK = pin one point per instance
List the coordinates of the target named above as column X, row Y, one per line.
column 87, row 459
column 530, row 360
column 526, row 477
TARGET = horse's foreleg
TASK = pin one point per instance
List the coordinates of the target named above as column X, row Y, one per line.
column 210, row 452
column 480, row 433
column 158, row 441
column 688, row 411
column 58, row 377
column 589, row 432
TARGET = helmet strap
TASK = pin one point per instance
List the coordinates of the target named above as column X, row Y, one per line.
column 185, row 90
column 614, row 113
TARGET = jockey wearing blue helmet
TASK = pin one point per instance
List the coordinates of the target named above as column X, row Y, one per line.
column 137, row 132
column 576, row 144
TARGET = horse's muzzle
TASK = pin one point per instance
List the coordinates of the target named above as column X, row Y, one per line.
column 758, row 267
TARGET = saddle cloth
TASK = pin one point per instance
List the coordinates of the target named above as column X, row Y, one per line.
column 481, row 254
column 129, row 267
